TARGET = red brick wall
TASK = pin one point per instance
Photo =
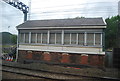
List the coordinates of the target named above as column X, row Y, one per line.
column 75, row 58
column 37, row 55
column 46, row 56
column 101, row 60
column 84, row 59
column 29, row 55
column 21, row 55
column 94, row 60
column 55, row 57
column 65, row 58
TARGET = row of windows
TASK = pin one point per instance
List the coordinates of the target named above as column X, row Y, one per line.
column 59, row 38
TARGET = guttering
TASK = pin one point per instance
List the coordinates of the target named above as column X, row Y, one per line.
column 76, row 27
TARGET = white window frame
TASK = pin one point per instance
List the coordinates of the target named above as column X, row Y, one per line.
column 70, row 38
column 24, row 38
column 55, row 38
column 41, row 37
column 48, row 37
column 85, row 38
column 77, row 39
column 101, row 39
column 94, row 39
column 36, row 38
column 62, row 37
column 29, row 37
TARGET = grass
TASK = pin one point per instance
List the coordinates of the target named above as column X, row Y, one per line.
column 6, row 46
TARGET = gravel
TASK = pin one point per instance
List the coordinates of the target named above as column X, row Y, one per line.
column 95, row 72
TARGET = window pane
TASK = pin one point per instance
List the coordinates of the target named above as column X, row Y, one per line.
column 73, row 38
column 67, row 38
column 33, row 37
column 52, row 38
column 39, row 38
column 58, row 38
column 44, row 38
column 97, row 38
column 26, row 38
column 81, row 38
column 21, row 38
column 90, row 39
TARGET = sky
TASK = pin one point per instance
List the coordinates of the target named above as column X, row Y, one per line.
column 10, row 17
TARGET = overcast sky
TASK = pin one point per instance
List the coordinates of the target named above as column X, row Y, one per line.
column 56, row 9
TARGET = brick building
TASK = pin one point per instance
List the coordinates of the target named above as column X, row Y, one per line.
column 75, row 41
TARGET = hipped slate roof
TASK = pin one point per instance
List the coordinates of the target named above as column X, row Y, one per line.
column 62, row 23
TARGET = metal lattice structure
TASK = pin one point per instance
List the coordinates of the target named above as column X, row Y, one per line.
column 19, row 5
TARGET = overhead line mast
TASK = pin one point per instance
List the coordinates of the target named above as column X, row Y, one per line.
column 19, row 5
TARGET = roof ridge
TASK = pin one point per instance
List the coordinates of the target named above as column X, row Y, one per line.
column 66, row 19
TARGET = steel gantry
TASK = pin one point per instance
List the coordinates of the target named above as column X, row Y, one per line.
column 19, row 5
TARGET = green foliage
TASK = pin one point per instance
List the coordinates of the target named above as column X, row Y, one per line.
column 79, row 17
column 111, row 32
column 76, row 17
column 8, row 38
column 14, row 39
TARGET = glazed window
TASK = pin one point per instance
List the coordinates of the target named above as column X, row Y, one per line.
column 52, row 38
column 81, row 38
column 44, row 38
column 58, row 38
column 73, row 38
column 33, row 37
column 90, row 39
column 21, row 38
column 97, row 39
column 39, row 37
column 26, row 37
column 66, row 38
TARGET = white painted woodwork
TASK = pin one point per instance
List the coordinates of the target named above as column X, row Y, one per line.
column 68, row 49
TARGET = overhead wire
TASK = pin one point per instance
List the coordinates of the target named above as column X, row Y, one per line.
column 74, row 4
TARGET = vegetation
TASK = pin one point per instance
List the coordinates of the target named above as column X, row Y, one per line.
column 79, row 17
column 8, row 41
column 14, row 39
column 111, row 32
column 8, row 38
column 76, row 17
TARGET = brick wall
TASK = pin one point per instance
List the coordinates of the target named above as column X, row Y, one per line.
column 84, row 59
column 94, row 60
column 56, row 57
column 46, row 56
column 21, row 55
column 37, row 55
column 29, row 55
column 65, row 58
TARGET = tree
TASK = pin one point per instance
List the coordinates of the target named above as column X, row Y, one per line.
column 111, row 32
column 14, row 39
column 79, row 17
column 76, row 17
column 8, row 38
